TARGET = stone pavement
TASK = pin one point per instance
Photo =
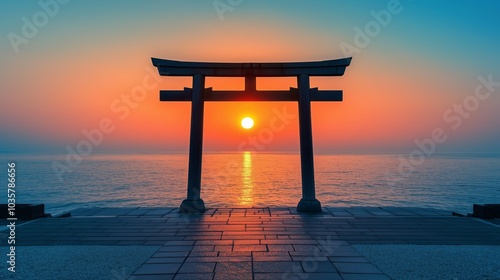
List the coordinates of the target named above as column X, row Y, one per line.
column 257, row 243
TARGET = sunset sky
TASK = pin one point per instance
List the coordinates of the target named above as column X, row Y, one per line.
column 69, row 67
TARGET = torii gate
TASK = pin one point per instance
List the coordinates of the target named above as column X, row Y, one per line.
column 199, row 94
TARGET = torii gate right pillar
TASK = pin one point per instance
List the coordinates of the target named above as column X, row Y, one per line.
column 308, row 203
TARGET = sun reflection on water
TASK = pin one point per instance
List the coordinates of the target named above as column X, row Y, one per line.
column 246, row 197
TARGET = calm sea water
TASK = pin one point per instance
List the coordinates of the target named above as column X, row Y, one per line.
column 245, row 179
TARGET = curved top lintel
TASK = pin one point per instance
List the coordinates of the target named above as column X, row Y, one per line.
column 335, row 67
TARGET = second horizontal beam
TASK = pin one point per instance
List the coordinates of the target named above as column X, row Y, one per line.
column 231, row 95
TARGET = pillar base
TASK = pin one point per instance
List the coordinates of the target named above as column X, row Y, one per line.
column 311, row 206
column 192, row 206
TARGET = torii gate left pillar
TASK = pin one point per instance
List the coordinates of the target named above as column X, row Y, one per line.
column 199, row 94
column 193, row 202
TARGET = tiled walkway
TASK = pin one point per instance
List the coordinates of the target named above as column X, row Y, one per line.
column 257, row 243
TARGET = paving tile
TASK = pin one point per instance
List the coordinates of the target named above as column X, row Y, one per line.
column 214, row 242
column 275, row 276
column 225, row 248
column 201, row 237
column 365, row 276
column 343, row 252
column 273, row 248
column 127, row 243
column 313, row 266
column 267, row 254
column 298, row 236
column 312, row 254
column 152, row 277
column 227, row 227
column 179, row 243
column 272, row 259
column 149, row 243
column 259, row 267
column 233, row 276
column 201, row 259
column 235, row 254
column 203, row 254
column 289, row 241
column 306, row 248
column 247, row 242
column 204, row 248
column 249, row 248
column 234, row 267
column 312, row 276
column 283, row 236
column 207, row 267
column 359, row 268
column 165, row 260
column 348, row 259
column 271, row 256
column 194, row 276
column 233, row 259
column 172, row 248
column 167, row 268
column 170, row 254
column 243, row 237
column 309, row 258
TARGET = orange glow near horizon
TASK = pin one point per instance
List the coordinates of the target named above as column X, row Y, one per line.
column 395, row 90
column 381, row 109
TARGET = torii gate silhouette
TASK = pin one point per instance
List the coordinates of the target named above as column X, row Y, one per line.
column 199, row 94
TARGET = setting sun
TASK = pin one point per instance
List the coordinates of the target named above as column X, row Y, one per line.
column 247, row 123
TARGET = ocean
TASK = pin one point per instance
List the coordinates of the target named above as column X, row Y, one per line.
column 451, row 182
